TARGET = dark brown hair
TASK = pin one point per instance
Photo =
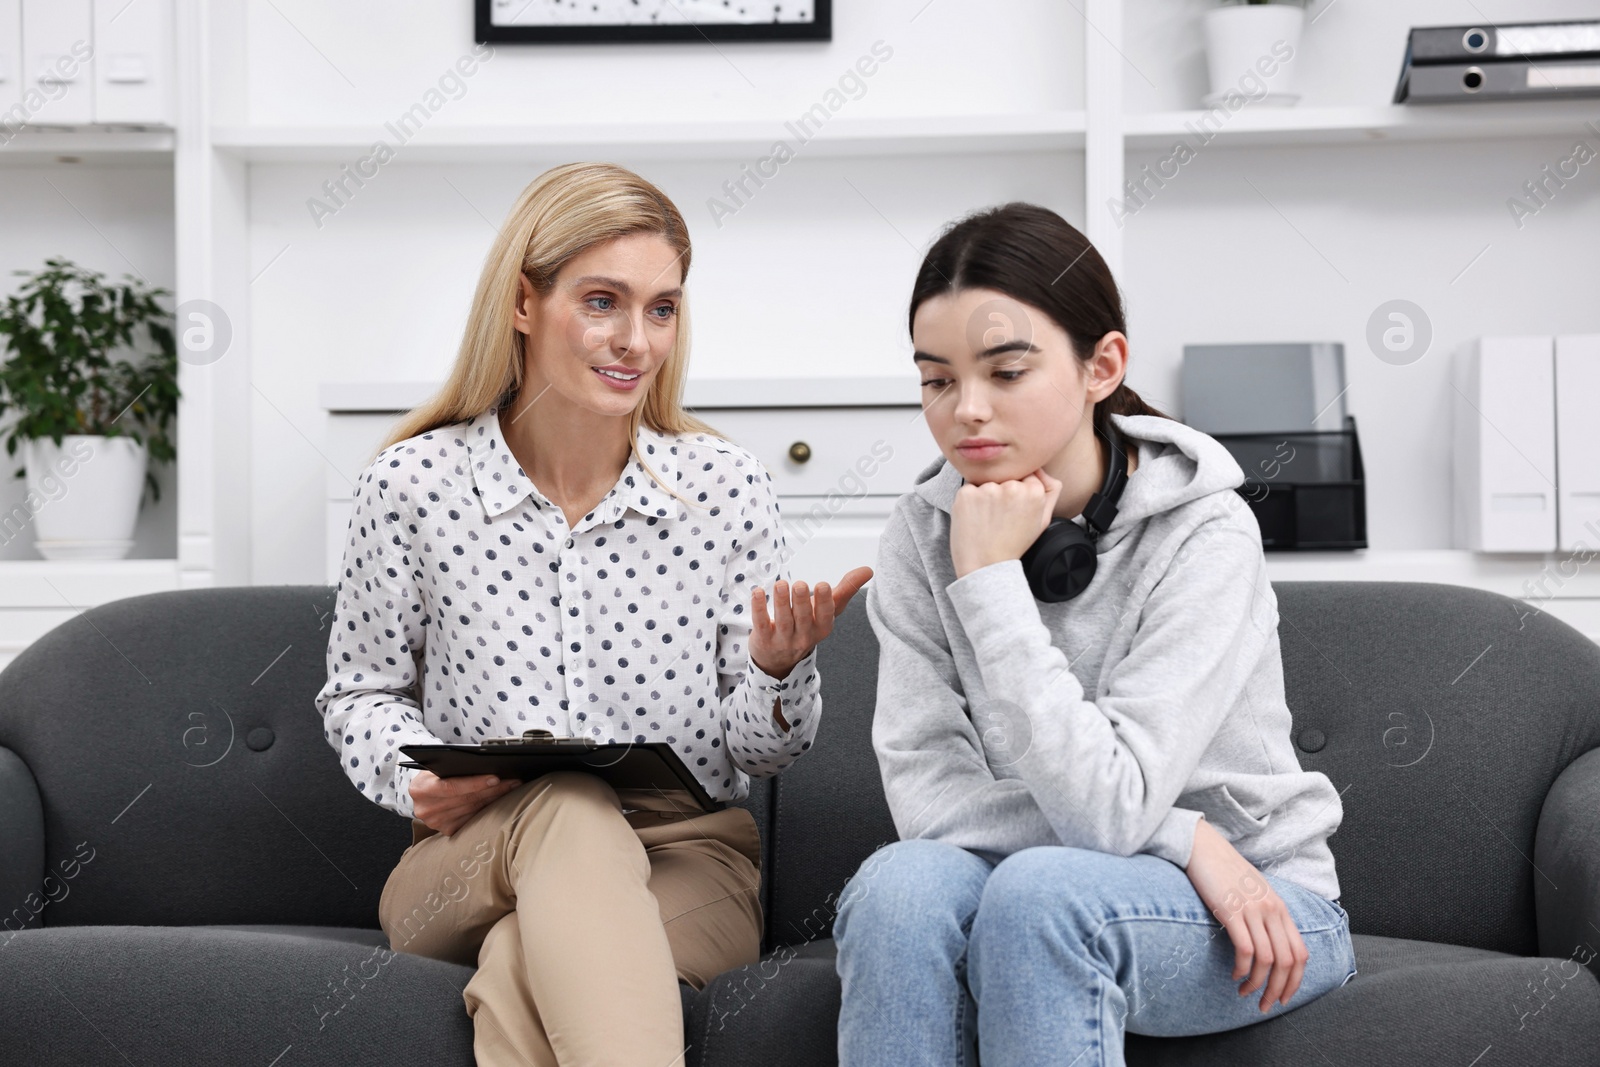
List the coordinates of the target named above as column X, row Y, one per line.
column 1033, row 255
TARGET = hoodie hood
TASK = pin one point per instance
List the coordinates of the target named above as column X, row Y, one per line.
column 1178, row 464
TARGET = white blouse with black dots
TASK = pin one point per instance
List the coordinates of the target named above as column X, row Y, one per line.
column 632, row 625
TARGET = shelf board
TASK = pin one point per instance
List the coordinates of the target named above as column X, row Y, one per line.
column 55, row 584
column 741, row 139
column 394, row 397
column 36, row 145
column 912, row 135
column 1531, row 576
column 1253, row 126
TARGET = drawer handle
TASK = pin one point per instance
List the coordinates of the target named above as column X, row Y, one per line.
column 799, row 451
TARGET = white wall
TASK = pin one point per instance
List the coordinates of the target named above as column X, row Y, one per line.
column 363, row 62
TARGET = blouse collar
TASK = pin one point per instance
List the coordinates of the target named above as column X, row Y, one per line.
column 502, row 483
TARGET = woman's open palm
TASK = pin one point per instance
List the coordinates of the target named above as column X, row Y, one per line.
column 800, row 618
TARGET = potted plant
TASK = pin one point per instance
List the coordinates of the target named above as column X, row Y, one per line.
column 90, row 424
column 1251, row 45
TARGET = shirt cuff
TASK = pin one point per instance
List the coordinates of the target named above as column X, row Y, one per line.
column 790, row 688
column 1174, row 838
column 402, row 789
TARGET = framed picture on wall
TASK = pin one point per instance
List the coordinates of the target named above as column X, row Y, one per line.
column 608, row 21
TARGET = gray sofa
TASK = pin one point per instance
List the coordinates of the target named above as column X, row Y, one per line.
column 213, row 879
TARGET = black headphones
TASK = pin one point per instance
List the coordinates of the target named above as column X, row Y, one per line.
column 1060, row 564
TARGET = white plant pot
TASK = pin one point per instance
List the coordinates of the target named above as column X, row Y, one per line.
column 1245, row 49
column 84, row 495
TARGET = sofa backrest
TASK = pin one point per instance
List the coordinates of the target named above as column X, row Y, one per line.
column 1442, row 714
column 173, row 741
column 182, row 769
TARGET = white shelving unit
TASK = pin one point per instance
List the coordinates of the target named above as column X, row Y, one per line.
column 1087, row 132
column 738, row 139
column 36, row 596
column 87, row 145
column 1289, row 126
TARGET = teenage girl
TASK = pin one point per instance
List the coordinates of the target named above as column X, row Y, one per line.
column 1104, row 826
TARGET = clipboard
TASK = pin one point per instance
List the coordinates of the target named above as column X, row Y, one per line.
column 640, row 765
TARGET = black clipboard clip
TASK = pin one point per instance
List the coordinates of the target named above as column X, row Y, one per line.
column 542, row 737
column 652, row 765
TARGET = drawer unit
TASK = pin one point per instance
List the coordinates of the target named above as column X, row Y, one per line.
column 856, row 451
column 829, row 536
column 352, row 440
column 837, row 467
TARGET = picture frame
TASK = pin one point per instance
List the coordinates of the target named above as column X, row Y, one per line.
column 819, row 27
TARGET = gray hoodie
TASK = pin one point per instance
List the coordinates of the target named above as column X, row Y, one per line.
column 1114, row 720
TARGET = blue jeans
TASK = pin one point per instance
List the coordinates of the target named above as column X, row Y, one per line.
column 1047, row 956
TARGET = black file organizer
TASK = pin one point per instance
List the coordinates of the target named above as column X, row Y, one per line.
column 1307, row 488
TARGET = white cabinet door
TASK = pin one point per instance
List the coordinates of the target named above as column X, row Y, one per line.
column 830, row 536
column 57, row 60
column 838, row 472
column 133, row 44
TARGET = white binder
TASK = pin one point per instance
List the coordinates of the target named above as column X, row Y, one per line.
column 133, row 44
column 1505, row 445
column 10, row 66
column 57, row 35
column 1578, row 440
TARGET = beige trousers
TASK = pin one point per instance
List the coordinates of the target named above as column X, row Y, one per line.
column 581, row 919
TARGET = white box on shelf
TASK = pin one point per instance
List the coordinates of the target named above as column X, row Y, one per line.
column 1505, row 445
column 10, row 66
column 1578, row 440
column 58, row 59
column 133, row 46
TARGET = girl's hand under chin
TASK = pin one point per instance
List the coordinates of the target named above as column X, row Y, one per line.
column 997, row 521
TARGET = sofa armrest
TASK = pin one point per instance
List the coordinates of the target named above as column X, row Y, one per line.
column 1566, row 858
column 21, row 845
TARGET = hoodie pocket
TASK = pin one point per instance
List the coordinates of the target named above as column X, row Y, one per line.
column 1221, row 807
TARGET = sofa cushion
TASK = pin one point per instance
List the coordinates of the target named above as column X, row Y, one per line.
column 353, row 934
column 121, row 994
column 174, row 739
column 1412, row 1003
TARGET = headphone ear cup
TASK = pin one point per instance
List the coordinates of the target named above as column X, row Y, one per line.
column 1061, row 563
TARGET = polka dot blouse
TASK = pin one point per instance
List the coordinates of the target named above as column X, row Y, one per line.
column 631, row 625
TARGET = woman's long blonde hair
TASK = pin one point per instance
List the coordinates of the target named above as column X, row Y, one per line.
column 561, row 214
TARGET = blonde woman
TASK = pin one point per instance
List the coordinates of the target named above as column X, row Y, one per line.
column 552, row 542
